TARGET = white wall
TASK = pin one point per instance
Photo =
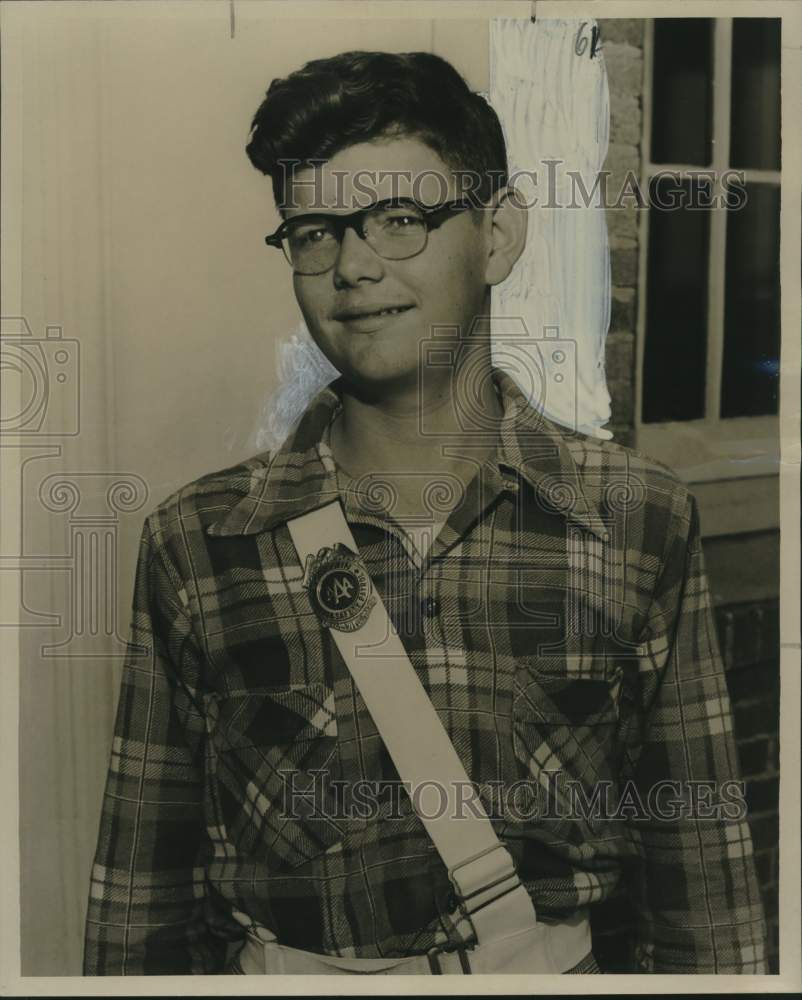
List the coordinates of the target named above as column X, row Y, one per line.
column 141, row 236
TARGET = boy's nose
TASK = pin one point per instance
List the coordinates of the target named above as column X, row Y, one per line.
column 356, row 260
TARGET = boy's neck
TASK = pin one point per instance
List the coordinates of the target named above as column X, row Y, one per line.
column 408, row 430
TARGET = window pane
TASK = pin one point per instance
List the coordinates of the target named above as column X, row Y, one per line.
column 750, row 371
column 681, row 90
column 676, row 304
column 755, row 128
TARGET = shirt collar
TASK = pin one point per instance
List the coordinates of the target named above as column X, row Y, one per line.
column 301, row 475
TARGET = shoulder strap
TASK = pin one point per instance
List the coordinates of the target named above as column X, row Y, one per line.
column 479, row 865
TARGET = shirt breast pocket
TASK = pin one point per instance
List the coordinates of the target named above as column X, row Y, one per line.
column 565, row 741
column 277, row 763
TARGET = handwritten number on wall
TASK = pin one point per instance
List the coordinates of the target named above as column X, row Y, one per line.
column 581, row 41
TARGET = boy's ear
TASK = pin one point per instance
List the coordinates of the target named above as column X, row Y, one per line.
column 508, row 219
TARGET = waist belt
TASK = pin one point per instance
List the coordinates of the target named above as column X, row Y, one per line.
column 480, row 868
column 554, row 948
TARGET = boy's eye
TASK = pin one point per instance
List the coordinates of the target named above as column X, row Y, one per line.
column 308, row 234
column 399, row 220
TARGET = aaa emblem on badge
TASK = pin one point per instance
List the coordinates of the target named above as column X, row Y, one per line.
column 339, row 588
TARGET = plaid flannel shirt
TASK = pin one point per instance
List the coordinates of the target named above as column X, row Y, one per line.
column 560, row 623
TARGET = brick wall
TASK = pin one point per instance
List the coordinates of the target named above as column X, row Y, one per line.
column 749, row 635
column 622, row 44
column 748, row 629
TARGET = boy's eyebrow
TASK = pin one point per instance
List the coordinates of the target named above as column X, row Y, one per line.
column 382, row 202
column 379, row 203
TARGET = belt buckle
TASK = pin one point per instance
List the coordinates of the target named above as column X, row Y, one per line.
column 462, row 899
column 434, row 953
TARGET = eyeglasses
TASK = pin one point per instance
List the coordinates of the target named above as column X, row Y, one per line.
column 395, row 228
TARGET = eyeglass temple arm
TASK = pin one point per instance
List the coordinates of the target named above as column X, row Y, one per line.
column 437, row 215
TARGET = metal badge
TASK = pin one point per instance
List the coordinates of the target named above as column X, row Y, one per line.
column 339, row 587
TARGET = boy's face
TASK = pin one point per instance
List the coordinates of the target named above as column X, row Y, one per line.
column 445, row 284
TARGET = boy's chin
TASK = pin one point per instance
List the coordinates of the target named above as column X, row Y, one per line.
column 378, row 382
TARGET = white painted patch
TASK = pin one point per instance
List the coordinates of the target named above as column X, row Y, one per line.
column 553, row 103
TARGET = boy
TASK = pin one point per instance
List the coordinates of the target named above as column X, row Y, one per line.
column 547, row 591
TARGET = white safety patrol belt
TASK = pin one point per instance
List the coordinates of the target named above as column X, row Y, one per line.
column 479, row 865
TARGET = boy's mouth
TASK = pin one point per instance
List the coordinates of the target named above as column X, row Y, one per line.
column 353, row 314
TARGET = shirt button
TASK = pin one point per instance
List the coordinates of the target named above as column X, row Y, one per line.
column 430, row 607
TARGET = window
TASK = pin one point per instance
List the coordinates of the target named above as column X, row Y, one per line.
column 709, row 314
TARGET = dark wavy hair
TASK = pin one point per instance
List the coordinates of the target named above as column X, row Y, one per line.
column 354, row 97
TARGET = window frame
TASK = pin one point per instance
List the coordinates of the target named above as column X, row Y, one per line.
column 710, row 453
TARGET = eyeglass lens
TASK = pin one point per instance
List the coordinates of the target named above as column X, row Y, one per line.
column 312, row 245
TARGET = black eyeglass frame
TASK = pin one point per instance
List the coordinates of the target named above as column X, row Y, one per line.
column 433, row 217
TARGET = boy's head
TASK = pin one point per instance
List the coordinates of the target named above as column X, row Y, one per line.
column 372, row 127
column 357, row 97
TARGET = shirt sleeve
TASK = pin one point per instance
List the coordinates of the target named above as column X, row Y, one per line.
column 694, row 886
column 148, row 890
